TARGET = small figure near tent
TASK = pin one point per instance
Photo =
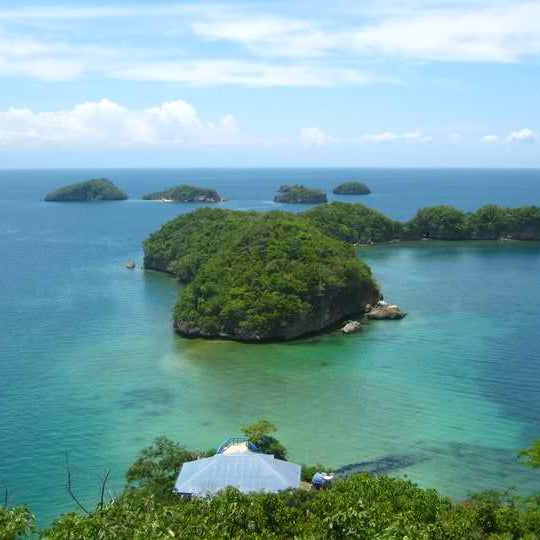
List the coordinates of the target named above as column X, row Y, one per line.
column 321, row 480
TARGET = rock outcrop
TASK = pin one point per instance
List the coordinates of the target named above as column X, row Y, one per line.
column 351, row 327
column 384, row 311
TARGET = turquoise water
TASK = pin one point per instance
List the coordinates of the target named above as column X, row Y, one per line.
column 89, row 364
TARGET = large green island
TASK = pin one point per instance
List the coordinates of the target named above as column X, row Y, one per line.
column 185, row 193
column 351, row 188
column 298, row 194
column 97, row 189
column 255, row 276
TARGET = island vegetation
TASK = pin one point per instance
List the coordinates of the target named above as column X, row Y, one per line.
column 298, row 194
column 355, row 506
column 356, row 223
column 353, row 223
column 97, row 189
column 352, row 188
column 256, row 276
column 185, row 194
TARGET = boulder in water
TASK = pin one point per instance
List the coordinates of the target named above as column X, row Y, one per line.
column 384, row 311
column 351, row 327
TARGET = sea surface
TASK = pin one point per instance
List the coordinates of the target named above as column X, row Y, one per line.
column 90, row 366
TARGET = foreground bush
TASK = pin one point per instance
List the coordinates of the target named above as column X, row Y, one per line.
column 15, row 522
column 361, row 506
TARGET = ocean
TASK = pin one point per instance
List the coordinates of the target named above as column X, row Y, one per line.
column 90, row 366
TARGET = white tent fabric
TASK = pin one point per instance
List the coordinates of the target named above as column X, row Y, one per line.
column 247, row 472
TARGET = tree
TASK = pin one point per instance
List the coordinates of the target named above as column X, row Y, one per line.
column 158, row 465
column 259, row 434
column 531, row 456
column 15, row 522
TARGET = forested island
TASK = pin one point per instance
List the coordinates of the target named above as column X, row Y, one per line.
column 96, row 189
column 185, row 194
column 255, row 276
column 355, row 505
column 298, row 194
column 352, row 188
column 356, row 223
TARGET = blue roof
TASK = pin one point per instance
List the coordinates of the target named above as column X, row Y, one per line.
column 248, row 472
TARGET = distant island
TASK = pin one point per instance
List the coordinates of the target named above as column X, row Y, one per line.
column 352, row 188
column 97, row 189
column 185, row 194
column 254, row 276
column 298, row 194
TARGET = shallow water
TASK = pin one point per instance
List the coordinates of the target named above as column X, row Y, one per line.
column 89, row 364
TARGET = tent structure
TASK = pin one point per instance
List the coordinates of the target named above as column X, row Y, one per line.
column 247, row 471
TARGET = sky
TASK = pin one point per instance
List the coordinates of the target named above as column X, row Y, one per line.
column 382, row 83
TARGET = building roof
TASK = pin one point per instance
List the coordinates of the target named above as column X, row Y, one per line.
column 246, row 471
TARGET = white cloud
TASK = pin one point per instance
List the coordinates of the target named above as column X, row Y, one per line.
column 497, row 33
column 449, row 31
column 316, row 50
column 70, row 12
column 388, row 136
column 314, row 136
column 416, row 136
column 243, row 73
column 385, row 136
column 490, row 138
column 56, row 61
column 267, row 35
column 522, row 136
column 107, row 123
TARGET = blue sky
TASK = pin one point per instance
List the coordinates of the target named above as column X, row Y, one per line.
column 343, row 83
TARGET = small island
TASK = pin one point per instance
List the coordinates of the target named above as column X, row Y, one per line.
column 254, row 276
column 298, row 194
column 185, row 194
column 97, row 189
column 352, row 188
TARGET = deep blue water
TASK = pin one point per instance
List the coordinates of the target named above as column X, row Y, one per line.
column 89, row 364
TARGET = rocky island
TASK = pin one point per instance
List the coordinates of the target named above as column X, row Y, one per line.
column 185, row 194
column 352, row 188
column 254, row 276
column 298, row 194
column 97, row 189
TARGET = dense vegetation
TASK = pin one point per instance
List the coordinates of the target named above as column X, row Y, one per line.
column 357, row 223
column 353, row 223
column 185, row 193
column 359, row 506
column 260, row 434
column 298, row 194
column 97, row 189
column 488, row 223
column 352, row 188
column 256, row 276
